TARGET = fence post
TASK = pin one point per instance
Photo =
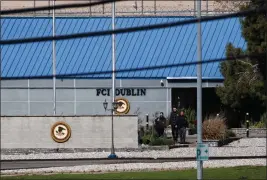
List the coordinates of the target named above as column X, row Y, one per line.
column 247, row 124
column 155, row 6
column 142, row 7
column 147, row 122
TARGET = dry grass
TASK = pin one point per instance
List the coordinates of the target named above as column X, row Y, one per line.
column 214, row 128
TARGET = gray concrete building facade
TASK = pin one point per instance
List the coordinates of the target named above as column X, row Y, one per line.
column 75, row 97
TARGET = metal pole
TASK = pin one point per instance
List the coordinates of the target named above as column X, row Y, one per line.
column 199, row 90
column 112, row 133
column 90, row 9
column 112, row 155
column 49, row 6
column 147, row 122
column 194, row 7
column 167, row 98
column 142, row 7
column 34, row 7
column 266, row 69
column 54, row 60
column 207, row 4
column 247, row 123
column 155, row 8
column 0, row 39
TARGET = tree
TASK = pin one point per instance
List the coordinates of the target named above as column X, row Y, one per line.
column 243, row 87
column 254, row 28
column 228, row 6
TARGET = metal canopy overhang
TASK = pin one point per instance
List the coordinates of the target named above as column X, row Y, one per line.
column 191, row 82
column 195, row 78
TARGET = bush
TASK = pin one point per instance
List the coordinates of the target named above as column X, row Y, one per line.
column 150, row 137
column 146, row 135
column 229, row 133
column 158, row 141
column 192, row 131
column 214, row 128
column 264, row 117
column 190, row 115
column 261, row 123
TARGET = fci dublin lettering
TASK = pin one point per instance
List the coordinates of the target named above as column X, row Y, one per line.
column 122, row 92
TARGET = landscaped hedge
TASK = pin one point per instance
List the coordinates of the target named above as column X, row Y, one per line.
column 150, row 137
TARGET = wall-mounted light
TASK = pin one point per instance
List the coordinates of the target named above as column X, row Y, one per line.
column 161, row 83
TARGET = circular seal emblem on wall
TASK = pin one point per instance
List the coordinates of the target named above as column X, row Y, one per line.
column 123, row 106
column 60, row 132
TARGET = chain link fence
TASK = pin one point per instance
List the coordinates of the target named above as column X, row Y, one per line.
column 128, row 8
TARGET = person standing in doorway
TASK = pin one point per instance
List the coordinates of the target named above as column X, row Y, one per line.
column 173, row 121
column 182, row 125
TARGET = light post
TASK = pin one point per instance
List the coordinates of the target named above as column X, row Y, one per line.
column 199, row 90
column 114, row 107
column 247, row 123
column 179, row 102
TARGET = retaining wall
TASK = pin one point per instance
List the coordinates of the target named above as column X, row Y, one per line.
column 86, row 132
column 242, row 132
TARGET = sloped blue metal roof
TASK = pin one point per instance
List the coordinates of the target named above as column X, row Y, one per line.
column 133, row 50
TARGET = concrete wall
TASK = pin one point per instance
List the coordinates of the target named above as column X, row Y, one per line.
column 258, row 132
column 86, row 132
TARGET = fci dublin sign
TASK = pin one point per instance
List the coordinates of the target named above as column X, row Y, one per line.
column 121, row 92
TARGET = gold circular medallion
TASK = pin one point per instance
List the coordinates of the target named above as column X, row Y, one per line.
column 123, row 106
column 60, row 132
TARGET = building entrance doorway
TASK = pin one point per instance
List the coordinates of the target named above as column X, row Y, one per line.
column 187, row 98
column 184, row 97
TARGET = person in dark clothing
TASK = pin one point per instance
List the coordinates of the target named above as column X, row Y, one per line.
column 173, row 121
column 160, row 124
column 182, row 125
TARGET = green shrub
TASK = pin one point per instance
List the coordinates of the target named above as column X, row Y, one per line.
column 147, row 135
column 190, row 115
column 214, row 128
column 264, row 117
column 158, row 141
column 261, row 123
column 150, row 138
column 193, row 131
column 229, row 133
